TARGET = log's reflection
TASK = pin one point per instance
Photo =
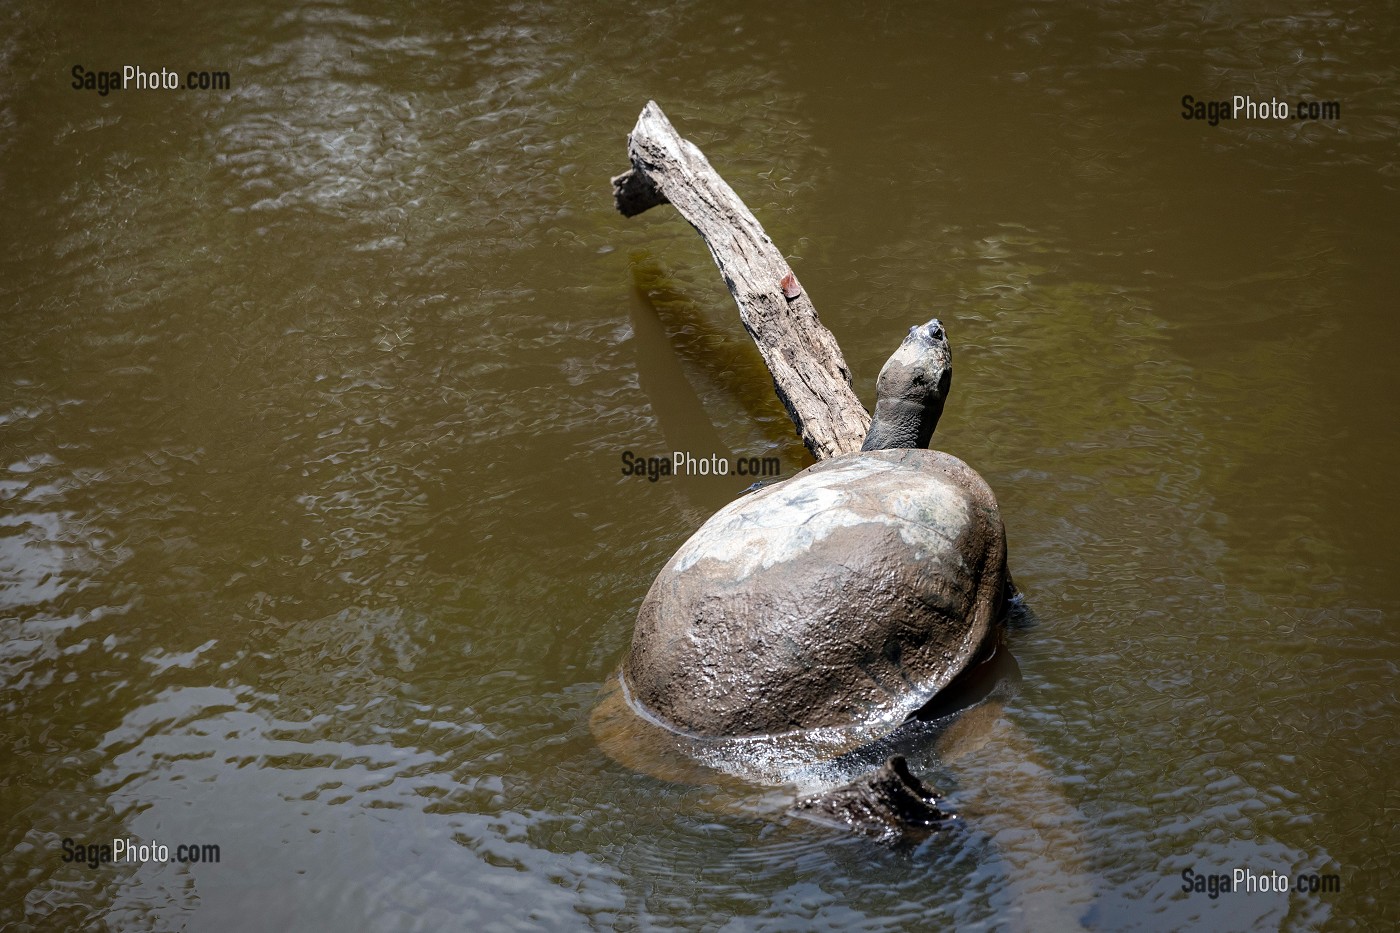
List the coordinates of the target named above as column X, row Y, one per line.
column 674, row 348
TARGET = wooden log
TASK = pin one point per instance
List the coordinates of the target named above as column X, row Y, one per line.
column 809, row 373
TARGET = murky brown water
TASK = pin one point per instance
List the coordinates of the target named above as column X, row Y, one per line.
column 315, row 544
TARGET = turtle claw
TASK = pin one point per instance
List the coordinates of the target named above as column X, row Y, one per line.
column 890, row 804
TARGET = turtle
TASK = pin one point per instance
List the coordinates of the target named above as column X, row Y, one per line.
column 813, row 617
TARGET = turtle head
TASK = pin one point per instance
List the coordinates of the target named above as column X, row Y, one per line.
column 911, row 390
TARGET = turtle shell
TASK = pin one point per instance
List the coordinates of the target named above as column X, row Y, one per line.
column 850, row 594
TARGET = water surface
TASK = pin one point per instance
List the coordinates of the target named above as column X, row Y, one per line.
column 315, row 544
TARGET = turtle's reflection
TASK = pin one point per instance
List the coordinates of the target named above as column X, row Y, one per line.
column 958, row 720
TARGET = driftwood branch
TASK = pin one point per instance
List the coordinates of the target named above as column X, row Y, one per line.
column 809, row 373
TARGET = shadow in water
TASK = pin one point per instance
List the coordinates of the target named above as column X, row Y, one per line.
column 680, row 415
column 676, row 326
column 676, row 347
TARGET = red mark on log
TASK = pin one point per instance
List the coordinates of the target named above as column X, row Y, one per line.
column 790, row 287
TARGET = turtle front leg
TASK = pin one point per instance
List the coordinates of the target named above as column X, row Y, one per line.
column 890, row 804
